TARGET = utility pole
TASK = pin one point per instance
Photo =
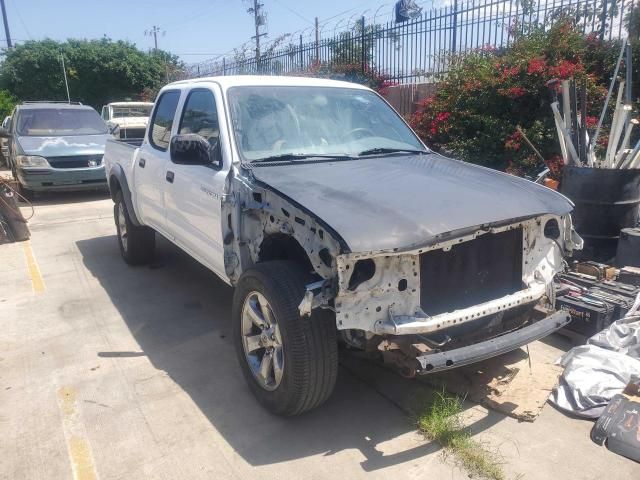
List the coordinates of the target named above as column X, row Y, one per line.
column 155, row 30
column 6, row 24
column 258, row 21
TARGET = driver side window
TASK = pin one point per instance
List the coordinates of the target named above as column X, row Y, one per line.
column 200, row 116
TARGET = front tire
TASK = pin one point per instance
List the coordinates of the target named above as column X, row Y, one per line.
column 24, row 194
column 290, row 362
column 137, row 244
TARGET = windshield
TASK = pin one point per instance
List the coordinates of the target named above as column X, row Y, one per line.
column 277, row 121
column 125, row 112
column 57, row 122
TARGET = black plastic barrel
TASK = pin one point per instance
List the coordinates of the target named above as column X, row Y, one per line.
column 607, row 200
column 628, row 254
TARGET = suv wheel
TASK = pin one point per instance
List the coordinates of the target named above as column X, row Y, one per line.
column 137, row 244
column 290, row 362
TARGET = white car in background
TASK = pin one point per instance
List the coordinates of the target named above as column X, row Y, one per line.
column 127, row 119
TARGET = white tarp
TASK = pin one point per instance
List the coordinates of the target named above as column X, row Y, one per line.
column 595, row 372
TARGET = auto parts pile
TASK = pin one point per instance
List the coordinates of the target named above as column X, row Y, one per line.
column 13, row 225
column 594, row 303
column 602, row 368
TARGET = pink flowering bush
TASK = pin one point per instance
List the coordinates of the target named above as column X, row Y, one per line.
column 487, row 94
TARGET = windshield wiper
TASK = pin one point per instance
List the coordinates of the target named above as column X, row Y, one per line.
column 379, row 150
column 300, row 156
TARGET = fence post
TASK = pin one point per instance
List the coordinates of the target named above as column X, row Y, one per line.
column 454, row 33
column 363, row 47
column 301, row 56
column 317, row 41
column 603, row 19
column 224, row 67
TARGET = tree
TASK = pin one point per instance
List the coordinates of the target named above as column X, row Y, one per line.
column 98, row 71
column 347, row 47
column 7, row 102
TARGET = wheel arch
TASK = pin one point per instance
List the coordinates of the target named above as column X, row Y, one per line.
column 280, row 246
column 118, row 183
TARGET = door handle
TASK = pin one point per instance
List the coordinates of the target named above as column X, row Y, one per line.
column 169, row 176
column 142, row 162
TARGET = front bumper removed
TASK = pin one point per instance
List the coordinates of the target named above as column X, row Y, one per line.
column 436, row 362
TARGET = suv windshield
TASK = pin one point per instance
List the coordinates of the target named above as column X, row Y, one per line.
column 304, row 121
column 125, row 112
column 57, row 122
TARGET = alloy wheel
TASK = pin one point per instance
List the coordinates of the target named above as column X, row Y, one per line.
column 262, row 341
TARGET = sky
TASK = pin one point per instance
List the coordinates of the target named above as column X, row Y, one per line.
column 195, row 30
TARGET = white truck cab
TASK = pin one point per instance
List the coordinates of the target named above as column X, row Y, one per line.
column 335, row 223
column 127, row 120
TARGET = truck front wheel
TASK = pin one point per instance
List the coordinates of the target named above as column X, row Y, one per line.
column 137, row 244
column 289, row 361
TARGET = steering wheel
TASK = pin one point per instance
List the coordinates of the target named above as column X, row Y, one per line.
column 359, row 131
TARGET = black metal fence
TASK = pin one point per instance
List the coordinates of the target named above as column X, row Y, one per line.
column 414, row 51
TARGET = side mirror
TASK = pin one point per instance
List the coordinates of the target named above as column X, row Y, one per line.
column 193, row 149
column 4, row 133
column 114, row 130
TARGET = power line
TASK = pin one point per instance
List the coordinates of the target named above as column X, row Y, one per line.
column 15, row 7
column 299, row 15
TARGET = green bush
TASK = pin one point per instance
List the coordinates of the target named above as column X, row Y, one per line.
column 488, row 93
column 7, row 102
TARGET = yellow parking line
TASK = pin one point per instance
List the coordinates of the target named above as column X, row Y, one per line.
column 34, row 271
column 77, row 443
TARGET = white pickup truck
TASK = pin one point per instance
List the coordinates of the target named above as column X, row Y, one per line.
column 335, row 223
column 127, row 120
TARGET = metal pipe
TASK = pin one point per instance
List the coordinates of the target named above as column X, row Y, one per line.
column 583, row 123
column 528, row 142
column 614, row 125
column 606, row 102
column 635, row 163
column 563, row 147
column 566, row 105
column 632, row 156
column 620, row 157
column 573, row 155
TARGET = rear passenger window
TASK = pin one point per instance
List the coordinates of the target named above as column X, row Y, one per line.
column 200, row 116
column 163, row 120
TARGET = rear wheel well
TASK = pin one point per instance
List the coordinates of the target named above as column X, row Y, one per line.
column 114, row 187
column 279, row 246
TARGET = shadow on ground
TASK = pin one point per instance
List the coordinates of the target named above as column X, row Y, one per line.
column 62, row 198
column 179, row 313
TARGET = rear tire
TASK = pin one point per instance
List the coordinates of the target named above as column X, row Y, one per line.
column 307, row 346
column 137, row 244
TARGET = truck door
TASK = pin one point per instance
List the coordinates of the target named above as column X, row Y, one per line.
column 151, row 164
column 194, row 192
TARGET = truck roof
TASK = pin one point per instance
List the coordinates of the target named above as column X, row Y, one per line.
column 270, row 80
column 130, row 104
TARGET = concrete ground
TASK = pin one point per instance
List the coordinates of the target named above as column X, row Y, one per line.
column 113, row 372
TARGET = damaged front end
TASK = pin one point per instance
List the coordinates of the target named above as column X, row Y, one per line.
column 465, row 297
